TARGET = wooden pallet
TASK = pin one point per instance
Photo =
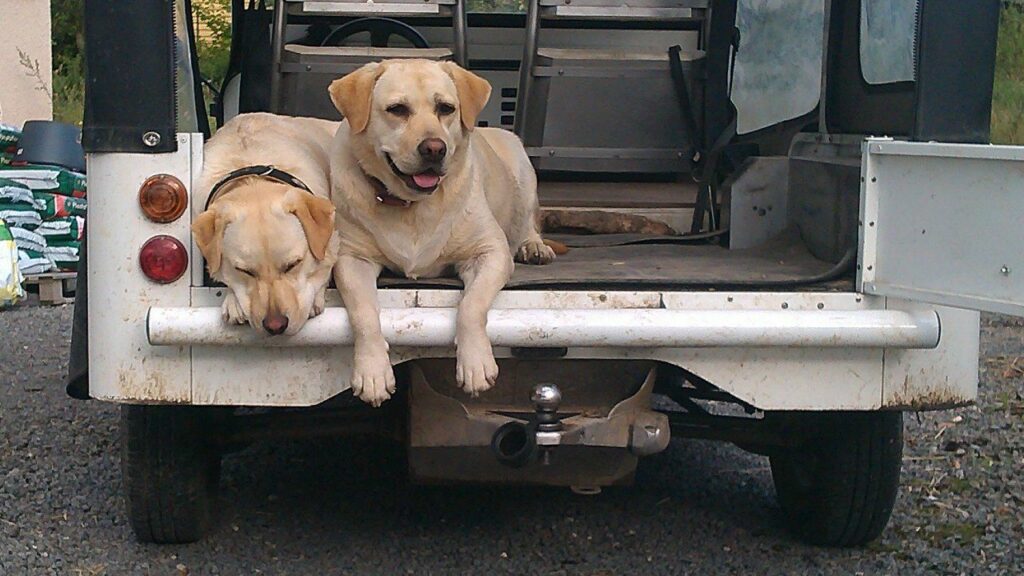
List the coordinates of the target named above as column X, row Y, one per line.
column 53, row 286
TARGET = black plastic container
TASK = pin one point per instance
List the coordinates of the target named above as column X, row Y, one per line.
column 51, row 143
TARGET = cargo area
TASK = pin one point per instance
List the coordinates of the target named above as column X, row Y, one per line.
column 658, row 261
column 668, row 157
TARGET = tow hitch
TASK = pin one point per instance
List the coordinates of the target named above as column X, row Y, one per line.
column 568, row 440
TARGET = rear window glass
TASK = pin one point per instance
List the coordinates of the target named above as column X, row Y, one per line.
column 887, row 30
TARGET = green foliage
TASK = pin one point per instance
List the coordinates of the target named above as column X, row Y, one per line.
column 1008, row 97
column 68, row 71
column 213, row 37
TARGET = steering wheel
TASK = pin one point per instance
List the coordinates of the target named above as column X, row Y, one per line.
column 381, row 30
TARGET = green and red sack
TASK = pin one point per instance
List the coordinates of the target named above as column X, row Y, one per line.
column 27, row 239
column 32, row 262
column 12, row 192
column 52, row 179
column 52, row 206
column 64, row 254
column 58, row 229
column 20, row 214
column 9, row 136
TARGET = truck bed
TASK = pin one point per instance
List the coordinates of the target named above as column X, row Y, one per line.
column 619, row 260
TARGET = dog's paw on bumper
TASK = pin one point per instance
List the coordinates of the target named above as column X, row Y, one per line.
column 232, row 312
column 475, row 369
column 373, row 379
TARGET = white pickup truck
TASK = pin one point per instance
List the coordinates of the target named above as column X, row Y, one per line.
column 835, row 221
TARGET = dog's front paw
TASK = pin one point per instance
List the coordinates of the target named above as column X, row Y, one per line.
column 319, row 303
column 231, row 311
column 535, row 251
column 373, row 379
column 475, row 368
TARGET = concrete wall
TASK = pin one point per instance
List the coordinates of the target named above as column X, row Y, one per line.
column 24, row 94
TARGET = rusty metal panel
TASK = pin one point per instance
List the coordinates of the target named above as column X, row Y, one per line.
column 944, row 377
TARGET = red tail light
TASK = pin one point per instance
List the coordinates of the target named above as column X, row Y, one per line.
column 163, row 259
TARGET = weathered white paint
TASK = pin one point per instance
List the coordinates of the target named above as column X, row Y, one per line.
column 435, row 327
column 775, row 350
column 25, row 27
column 947, row 375
column 122, row 365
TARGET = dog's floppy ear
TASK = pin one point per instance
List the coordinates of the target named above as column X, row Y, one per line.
column 209, row 232
column 473, row 90
column 316, row 215
column 352, row 94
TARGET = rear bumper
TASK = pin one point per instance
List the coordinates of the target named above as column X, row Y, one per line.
column 593, row 328
column 775, row 351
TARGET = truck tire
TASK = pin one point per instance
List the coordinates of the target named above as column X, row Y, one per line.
column 838, row 485
column 170, row 470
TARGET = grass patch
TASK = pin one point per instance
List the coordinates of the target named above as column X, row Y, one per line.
column 1008, row 96
column 962, row 532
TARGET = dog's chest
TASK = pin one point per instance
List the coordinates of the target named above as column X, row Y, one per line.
column 414, row 253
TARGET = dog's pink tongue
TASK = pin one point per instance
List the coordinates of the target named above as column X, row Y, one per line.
column 426, row 179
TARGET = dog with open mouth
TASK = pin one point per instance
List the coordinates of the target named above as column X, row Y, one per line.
column 423, row 192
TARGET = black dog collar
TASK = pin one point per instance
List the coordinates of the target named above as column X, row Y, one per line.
column 260, row 172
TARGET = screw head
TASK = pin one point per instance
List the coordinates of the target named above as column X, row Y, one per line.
column 151, row 139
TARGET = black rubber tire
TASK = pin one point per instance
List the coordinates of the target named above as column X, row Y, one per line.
column 170, row 470
column 838, row 487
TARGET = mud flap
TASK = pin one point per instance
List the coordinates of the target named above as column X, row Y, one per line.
column 77, row 384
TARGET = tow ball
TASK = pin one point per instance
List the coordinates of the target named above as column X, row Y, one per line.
column 516, row 444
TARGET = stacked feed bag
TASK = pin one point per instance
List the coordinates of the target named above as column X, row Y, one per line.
column 20, row 209
column 44, row 205
column 63, row 237
column 47, row 203
column 9, row 136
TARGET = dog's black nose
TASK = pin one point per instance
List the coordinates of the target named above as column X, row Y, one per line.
column 275, row 323
column 432, row 149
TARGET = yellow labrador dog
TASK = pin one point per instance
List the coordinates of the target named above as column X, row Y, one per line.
column 422, row 192
column 267, row 231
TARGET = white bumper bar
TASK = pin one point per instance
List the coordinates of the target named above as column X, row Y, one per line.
column 620, row 328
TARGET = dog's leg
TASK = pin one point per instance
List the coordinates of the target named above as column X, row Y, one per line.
column 373, row 379
column 533, row 249
column 484, row 276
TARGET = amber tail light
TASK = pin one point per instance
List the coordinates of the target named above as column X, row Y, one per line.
column 163, row 198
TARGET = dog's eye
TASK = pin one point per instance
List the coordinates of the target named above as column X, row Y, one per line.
column 445, row 109
column 288, row 268
column 400, row 110
column 248, row 273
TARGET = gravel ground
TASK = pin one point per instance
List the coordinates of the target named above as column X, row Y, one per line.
column 333, row 507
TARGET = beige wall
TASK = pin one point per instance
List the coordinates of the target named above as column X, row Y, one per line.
column 25, row 25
